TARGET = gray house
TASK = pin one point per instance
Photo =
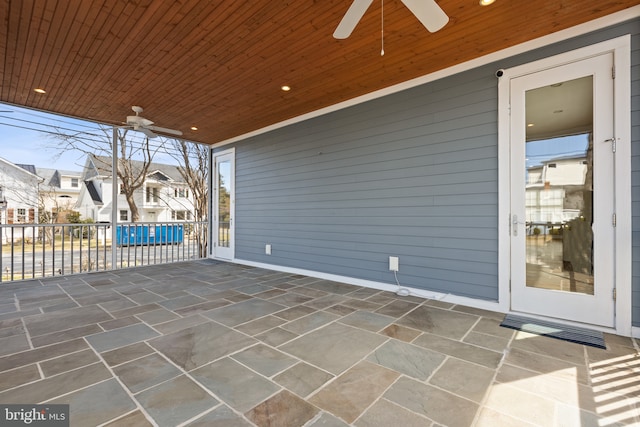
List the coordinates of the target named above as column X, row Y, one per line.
column 431, row 175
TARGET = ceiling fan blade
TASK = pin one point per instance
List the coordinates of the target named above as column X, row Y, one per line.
column 351, row 18
column 147, row 132
column 428, row 13
column 165, row 130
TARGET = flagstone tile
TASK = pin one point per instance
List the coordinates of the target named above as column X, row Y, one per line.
column 354, row 391
column 68, row 362
column 310, row 322
column 435, row 321
column 295, row 312
column 413, row 361
column 180, row 324
column 373, row 322
column 145, row 372
column 66, row 319
column 283, row 409
column 134, row 419
column 276, row 336
column 543, row 364
column 397, row 308
column 196, row 346
column 385, row 413
column 550, row 347
column 237, row 386
column 42, row 353
column 49, row 388
column 175, row 401
column 19, row 376
column 436, row 404
column 127, row 353
column 258, row 326
column 464, row 379
column 327, row 420
column 157, row 316
column 14, row 344
column 334, row 347
column 222, row 416
column 245, row 311
column 521, row 404
column 89, row 407
column 468, row 352
column 264, row 360
column 121, row 337
column 303, row 379
column 401, row 333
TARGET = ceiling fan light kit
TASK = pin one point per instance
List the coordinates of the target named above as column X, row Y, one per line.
column 427, row 11
column 146, row 126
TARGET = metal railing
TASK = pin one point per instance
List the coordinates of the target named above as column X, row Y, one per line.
column 32, row 251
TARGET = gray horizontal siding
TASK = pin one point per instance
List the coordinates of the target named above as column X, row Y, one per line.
column 413, row 175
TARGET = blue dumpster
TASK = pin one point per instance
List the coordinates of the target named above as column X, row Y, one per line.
column 141, row 234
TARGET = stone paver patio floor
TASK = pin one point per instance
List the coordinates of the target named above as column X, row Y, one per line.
column 207, row 343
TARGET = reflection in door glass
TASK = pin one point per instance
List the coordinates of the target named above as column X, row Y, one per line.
column 224, row 203
column 559, row 187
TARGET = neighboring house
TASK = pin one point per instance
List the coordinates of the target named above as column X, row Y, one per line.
column 433, row 172
column 555, row 190
column 19, row 201
column 59, row 191
column 164, row 197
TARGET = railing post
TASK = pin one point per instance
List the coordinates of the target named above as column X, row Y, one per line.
column 114, row 198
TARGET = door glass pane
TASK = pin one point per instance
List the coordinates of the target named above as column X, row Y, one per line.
column 224, row 202
column 559, row 186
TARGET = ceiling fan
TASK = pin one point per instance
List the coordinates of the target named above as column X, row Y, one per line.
column 146, row 126
column 427, row 11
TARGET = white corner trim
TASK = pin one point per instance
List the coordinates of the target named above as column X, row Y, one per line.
column 390, row 287
column 578, row 30
column 635, row 332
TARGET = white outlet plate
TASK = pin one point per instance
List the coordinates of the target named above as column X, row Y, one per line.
column 267, row 249
column 394, row 263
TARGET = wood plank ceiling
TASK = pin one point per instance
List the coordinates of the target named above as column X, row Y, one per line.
column 219, row 65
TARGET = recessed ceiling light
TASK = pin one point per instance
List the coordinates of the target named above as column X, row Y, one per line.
column 39, row 90
column 530, row 125
column 285, row 88
column 486, row 2
column 194, row 127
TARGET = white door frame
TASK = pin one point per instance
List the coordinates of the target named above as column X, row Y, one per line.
column 216, row 252
column 620, row 47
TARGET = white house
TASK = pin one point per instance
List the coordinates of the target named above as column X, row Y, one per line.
column 59, row 191
column 18, row 199
column 164, row 196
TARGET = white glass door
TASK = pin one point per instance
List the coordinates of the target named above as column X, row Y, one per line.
column 562, row 192
column 223, row 201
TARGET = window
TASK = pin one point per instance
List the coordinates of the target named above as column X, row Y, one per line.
column 21, row 215
column 74, row 182
column 181, row 215
column 153, row 194
column 181, row 192
column 124, row 215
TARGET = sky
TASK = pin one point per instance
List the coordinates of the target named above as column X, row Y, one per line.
column 29, row 137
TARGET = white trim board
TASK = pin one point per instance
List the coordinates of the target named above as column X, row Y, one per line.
column 578, row 30
column 390, row 287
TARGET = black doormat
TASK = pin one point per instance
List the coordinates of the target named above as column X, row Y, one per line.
column 555, row 330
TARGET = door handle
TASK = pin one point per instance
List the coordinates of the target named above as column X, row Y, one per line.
column 514, row 224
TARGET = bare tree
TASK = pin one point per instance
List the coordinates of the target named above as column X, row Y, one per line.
column 134, row 159
column 194, row 169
